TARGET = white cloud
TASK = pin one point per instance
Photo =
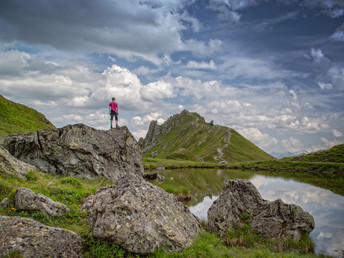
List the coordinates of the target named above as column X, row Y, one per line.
column 144, row 70
column 112, row 27
column 317, row 55
column 202, row 65
column 329, row 143
column 337, row 133
column 293, row 144
column 335, row 13
column 257, row 137
column 338, row 35
column 333, row 79
column 157, row 90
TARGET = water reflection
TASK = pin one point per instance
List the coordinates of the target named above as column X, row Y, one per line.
column 326, row 207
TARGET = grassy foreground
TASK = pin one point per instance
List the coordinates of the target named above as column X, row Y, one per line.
column 71, row 191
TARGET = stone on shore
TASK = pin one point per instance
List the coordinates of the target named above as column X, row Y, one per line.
column 270, row 219
column 140, row 217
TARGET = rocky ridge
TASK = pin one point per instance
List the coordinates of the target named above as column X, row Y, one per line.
column 78, row 150
column 187, row 136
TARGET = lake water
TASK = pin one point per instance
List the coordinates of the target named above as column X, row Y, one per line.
column 326, row 207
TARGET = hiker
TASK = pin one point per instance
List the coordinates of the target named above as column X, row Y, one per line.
column 113, row 110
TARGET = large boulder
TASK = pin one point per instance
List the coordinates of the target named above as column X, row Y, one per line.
column 240, row 200
column 33, row 239
column 140, row 217
column 11, row 165
column 78, row 150
column 25, row 199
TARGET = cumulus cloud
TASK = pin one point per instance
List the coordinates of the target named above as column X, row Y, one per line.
column 293, row 144
column 332, row 79
column 338, row 36
column 317, row 55
column 202, row 65
column 337, row 133
column 157, row 90
column 257, row 137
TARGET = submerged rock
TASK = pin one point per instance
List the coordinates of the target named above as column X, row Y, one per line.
column 25, row 199
column 78, row 150
column 33, row 239
column 240, row 199
column 140, row 217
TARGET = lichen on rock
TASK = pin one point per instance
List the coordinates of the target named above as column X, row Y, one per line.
column 140, row 217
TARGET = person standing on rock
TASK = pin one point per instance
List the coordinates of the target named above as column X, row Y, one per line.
column 113, row 110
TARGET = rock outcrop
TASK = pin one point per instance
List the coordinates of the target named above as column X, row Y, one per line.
column 25, row 199
column 140, row 217
column 276, row 219
column 11, row 165
column 187, row 136
column 78, row 150
column 33, row 239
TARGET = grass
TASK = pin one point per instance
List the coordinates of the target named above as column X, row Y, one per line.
column 243, row 236
column 186, row 136
column 335, row 154
column 209, row 245
column 71, row 191
column 17, row 118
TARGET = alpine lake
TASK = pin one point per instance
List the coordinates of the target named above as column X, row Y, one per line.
column 326, row 207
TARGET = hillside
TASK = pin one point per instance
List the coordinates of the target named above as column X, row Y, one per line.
column 17, row 118
column 186, row 136
column 335, row 154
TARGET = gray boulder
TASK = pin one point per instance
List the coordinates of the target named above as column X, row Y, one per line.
column 11, row 165
column 25, row 199
column 33, row 239
column 5, row 203
column 240, row 199
column 140, row 217
column 78, row 150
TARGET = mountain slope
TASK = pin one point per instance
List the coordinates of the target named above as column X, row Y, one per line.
column 17, row 118
column 335, row 154
column 187, row 136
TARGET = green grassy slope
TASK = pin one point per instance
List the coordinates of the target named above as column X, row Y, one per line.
column 17, row 118
column 186, row 136
column 335, row 154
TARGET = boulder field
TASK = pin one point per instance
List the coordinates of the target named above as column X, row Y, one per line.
column 132, row 213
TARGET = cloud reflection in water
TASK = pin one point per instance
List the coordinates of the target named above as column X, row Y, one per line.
column 326, row 207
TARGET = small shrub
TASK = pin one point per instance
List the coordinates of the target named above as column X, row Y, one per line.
column 71, row 181
column 104, row 249
column 14, row 254
column 32, row 176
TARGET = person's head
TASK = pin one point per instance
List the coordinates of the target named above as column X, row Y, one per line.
column 113, row 98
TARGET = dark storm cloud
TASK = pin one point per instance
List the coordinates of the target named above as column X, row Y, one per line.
column 117, row 27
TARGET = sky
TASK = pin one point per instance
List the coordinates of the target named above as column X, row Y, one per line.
column 271, row 69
